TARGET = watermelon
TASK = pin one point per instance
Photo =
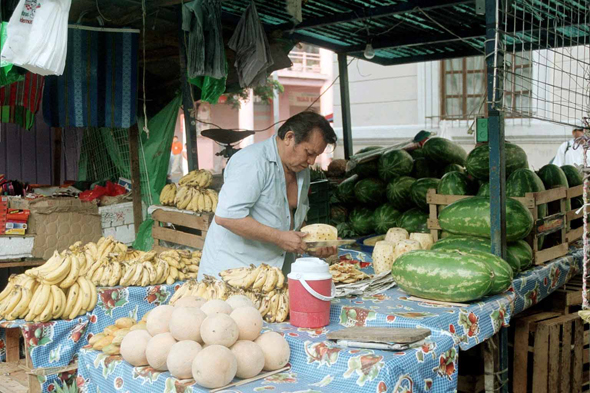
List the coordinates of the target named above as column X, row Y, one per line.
column 471, row 217
column 362, row 221
column 345, row 230
column 454, row 183
column 395, row 163
column 366, row 149
column 370, row 191
column 398, row 193
column 420, row 188
column 345, row 190
column 573, row 175
column 453, row 168
column 443, row 151
column 484, row 189
column 417, row 153
column 414, row 220
column 503, row 273
column 523, row 181
column 385, row 216
column 523, row 252
column 365, row 169
column 478, row 161
column 449, row 276
column 338, row 213
column 553, row 177
column 423, row 167
column 468, row 243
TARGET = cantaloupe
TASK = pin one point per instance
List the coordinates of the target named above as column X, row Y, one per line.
column 383, row 256
column 249, row 322
column 180, row 358
column 190, row 301
column 425, row 239
column 133, row 347
column 157, row 350
column 250, row 358
column 185, row 323
column 276, row 350
column 319, row 232
column 219, row 329
column 158, row 320
column 237, row 301
column 394, row 235
column 214, row 367
column 215, row 306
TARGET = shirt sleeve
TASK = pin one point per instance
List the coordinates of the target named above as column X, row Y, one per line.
column 243, row 184
column 559, row 159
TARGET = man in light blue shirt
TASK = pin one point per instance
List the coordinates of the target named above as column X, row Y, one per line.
column 264, row 199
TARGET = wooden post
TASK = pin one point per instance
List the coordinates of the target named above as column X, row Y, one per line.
column 57, row 142
column 345, row 105
column 135, row 176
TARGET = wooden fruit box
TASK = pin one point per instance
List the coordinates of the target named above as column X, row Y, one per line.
column 567, row 299
column 577, row 233
column 543, row 225
column 180, row 227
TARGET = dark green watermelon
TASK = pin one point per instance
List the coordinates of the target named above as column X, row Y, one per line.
column 362, row 221
column 365, row 169
column 573, row 175
column 423, row 167
column 414, row 220
column 338, row 213
column 453, row 168
column 522, row 181
column 345, row 231
column 345, row 190
column 484, row 189
column 443, row 151
column 370, row 191
column 399, row 193
column 395, row 163
column 416, row 153
column 478, row 161
column 523, row 252
column 454, row 183
column 553, row 177
column 420, row 188
column 366, row 149
column 386, row 216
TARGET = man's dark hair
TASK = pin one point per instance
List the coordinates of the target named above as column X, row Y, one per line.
column 302, row 125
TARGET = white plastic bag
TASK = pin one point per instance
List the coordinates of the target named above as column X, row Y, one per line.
column 37, row 36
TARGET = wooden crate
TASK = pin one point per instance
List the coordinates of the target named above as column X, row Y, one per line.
column 27, row 378
column 180, row 227
column 549, row 353
column 546, row 225
column 577, row 233
column 567, row 299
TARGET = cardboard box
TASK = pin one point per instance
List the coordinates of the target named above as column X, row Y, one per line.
column 57, row 223
column 16, row 228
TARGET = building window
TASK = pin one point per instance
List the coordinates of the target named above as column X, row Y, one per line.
column 464, row 93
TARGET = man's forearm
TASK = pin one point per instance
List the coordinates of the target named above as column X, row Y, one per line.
column 250, row 229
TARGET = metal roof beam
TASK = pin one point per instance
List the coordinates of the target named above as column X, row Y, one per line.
column 373, row 13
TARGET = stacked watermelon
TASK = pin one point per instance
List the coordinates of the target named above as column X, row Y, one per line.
column 394, row 186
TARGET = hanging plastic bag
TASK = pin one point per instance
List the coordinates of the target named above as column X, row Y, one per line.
column 37, row 36
column 211, row 88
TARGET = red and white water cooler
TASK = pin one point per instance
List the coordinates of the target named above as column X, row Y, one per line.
column 311, row 291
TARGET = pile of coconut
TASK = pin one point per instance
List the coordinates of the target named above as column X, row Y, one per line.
column 211, row 341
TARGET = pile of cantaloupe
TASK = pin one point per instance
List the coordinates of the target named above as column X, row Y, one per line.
column 397, row 242
column 210, row 341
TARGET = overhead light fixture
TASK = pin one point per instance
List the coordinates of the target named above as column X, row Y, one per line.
column 369, row 51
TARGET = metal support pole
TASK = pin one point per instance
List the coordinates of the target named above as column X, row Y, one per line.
column 188, row 106
column 345, row 103
column 135, row 177
column 494, row 62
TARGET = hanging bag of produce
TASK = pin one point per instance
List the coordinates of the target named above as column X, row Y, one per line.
column 8, row 73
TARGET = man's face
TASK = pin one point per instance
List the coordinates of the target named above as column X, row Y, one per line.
column 301, row 155
column 577, row 133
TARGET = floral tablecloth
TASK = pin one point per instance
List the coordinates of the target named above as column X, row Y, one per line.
column 320, row 366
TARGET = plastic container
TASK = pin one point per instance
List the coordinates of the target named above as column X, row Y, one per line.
column 311, row 291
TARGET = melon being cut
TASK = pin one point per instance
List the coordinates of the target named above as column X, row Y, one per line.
column 216, row 306
column 249, row 322
column 185, row 323
column 219, row 329
column 190, row 301
column 320, row 232
column 250, row 358
column 214, row 367
column 425, row 240
column 276, row 350
column 133, row 347
column 383, row 256
column 180, row 358
column 405, row 246
column 395, row 235
column 237, row 301
column 158, row 318
column 157, row 350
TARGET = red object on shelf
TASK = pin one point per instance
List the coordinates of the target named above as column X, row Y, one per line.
column 18, row 215
column 3, row 214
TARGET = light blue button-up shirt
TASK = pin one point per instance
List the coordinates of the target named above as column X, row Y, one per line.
column 255, row 186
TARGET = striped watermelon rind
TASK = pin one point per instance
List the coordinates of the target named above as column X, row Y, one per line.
column 450, row 276
column 345, row 190
column 471, row 217
column 398, row 193
column 443, row 151
column 478, row 160
column 395, row 163
column 420, row 189
column 573, row 175
column 414, row 221
column 523, row 252
column 484, row 189
column 453, row 168
column 454, row 183
column 362, row 221
column 423, row 167
column 386, row 216
column 553, row 177
column 370, row 191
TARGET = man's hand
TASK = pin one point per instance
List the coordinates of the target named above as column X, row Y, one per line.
column 324, row 252
column 292, row 241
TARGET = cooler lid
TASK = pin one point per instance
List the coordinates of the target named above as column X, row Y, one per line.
column 310, row 269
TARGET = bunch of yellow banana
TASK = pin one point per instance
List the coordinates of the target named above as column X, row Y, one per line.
column 131, row 255
column 196, row 199
column 273, row 306
column 62, row 269
column 183, row 264
column 198, row 178
column 263, row 278
column 168, row 194
column 26, row 297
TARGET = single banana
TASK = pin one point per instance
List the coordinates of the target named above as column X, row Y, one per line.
column 59, row 302
column 274, row 307
column 173, row 272
column 260, row 280
column 71, row 300
column 42, row 299
column 145, row 276
column 77, row 306
column 153, row 275
column 126, row 279
column 90, row 273
column 8, row 289
column 159, row 271
column 251, row 278
column 115, row 275
column 106, row 275
column 47, row 312
column 201, row 202
column 85, row 292
column 74, row 272
column 19, row 302
column 208, row 205
column 93, row 296
column 137, row 276
column 58, row 274
column 280, row 278
column 271, row 281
